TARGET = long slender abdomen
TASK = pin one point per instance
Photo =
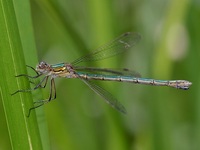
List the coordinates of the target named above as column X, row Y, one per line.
column 179, row 84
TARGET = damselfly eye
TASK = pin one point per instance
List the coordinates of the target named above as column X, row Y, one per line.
column 42, row 65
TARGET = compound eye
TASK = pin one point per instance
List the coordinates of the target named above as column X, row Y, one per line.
column 42, row 65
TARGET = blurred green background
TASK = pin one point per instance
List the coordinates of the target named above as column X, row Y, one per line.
column 160, row 118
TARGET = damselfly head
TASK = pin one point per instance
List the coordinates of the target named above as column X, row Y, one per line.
column 43, row 67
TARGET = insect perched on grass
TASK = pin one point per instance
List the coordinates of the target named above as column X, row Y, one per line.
column 87, row 74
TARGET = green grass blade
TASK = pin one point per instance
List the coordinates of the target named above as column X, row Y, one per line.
column 23, row 131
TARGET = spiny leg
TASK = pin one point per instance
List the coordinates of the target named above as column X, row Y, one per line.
column 33, row 77
column 39, row 85
column 25, row 75
column 33, row 69
column 42, row 102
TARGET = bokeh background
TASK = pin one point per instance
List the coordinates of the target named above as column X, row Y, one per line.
column 160, row 118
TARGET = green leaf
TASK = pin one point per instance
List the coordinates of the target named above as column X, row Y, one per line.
column 16, row 48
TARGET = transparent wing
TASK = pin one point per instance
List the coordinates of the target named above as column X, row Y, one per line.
column 117, row 46
column 121, row 72
column 106, row 95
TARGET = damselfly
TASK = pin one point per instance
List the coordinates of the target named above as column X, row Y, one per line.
column 87, row 74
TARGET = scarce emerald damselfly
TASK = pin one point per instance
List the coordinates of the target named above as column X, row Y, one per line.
column 87, row 74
